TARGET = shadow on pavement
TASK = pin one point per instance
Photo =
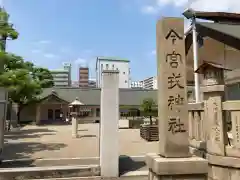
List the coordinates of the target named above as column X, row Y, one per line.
column 127, row 163
column 19, row 134
column 22, row 150
column 23, row 136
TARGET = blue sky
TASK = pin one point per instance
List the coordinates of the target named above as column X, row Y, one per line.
column 76, row 31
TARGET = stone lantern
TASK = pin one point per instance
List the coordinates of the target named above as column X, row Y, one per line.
column 214, row 94
column 75, row 108
column 213, row 73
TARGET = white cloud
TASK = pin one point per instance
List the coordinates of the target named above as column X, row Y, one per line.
column 217, row 5
column 88, row 51
column 153, row 52
column 87, row 62
column 149, row 9
column 81, row 61
column 177, row 3
column 50, row 55
column 44, row 42
column 35, row 51
column 200, row 5
column 65, row 50
column 1, row 3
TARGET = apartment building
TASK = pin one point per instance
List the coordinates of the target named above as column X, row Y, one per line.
column 150, row 83
column 137, row 84
column 111, row 63
column 62, row 77
column 83, row 76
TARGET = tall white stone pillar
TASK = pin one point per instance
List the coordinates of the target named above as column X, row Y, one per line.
column 74, row 125
column 109, row 155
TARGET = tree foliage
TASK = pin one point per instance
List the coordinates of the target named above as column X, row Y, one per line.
column 23, row 80
column 19, row 75
column 22, row 88
column 149, row 108
column 7, row 31
column 43, row 76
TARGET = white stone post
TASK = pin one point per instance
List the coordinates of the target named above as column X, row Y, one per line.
column 74, row 126
column 109, row 155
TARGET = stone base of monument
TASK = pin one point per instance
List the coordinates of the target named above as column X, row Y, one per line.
column 191, row 168
column 197, row 148
column 197, row 152
column 223, row 167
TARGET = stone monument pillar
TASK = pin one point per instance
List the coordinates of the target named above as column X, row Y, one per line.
column 213, row 89
column 109, row 155
column 173, row 160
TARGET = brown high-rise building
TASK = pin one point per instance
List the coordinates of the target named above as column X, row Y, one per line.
column 83, row 76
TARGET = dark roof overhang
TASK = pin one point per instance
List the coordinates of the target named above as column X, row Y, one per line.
column 228, row 34
column 213, row 16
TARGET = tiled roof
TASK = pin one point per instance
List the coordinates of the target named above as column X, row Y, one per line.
column 232, row 30
column 206, row 64
column 92, row 96
column 227, row 33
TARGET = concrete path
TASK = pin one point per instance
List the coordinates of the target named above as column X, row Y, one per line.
column 126, row 163
column 46, row 142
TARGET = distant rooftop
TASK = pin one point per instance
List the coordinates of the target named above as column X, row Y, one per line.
column 58, row 70
column 112, row 59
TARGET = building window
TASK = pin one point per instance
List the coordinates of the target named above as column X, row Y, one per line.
column 125, row 81
column 98, row 112
column 116, row 68
column 113, row 66
column 107, row 66
column 123, row 72
column 101, row 67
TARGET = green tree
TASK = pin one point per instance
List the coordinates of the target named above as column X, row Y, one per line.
column 23, row 80
column 149, row 108
column 40, row 74
column 22, row 88
column 7, row 32
column 44, row 77
column 11, row 61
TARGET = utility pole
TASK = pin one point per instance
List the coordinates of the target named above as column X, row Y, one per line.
column 195, row 60
column 190, row 14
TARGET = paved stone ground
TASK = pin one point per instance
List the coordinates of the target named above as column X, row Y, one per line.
column 57, row 142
